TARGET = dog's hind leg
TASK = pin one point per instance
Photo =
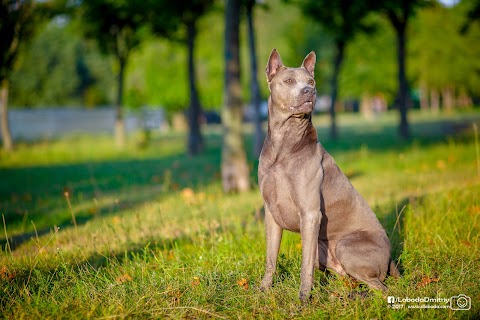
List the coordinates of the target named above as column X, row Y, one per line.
column 326, row 259
column 365, row 257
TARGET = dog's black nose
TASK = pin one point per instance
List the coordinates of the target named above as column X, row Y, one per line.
column 307, row 91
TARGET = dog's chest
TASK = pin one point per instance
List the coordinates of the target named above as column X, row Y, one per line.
column 291, row 188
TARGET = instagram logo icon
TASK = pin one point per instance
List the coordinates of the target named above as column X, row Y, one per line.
column 391, row 299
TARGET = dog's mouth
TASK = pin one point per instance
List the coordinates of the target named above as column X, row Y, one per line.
column 308, row 104
column 306, row 107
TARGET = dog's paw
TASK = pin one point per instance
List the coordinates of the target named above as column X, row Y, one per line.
column 266, row 283
column 304, row 296
column 264, row 288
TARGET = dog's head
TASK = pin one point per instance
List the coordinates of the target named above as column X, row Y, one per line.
column 292, row 89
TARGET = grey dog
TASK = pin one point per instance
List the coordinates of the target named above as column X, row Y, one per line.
column 305, row 191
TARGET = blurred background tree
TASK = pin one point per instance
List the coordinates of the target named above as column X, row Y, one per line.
column 255, row 95
column 178, row 21
column 235, row 173
column 18, row 22
column 117, row 26
column 399, row 13
column 342, row 20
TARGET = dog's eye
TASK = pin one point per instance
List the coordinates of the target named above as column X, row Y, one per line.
column 311, row 82
column 289, row 81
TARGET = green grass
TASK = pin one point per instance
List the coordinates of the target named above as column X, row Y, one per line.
column 157, row 238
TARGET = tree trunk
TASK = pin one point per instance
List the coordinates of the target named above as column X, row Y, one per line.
column 254, row 86
column 434, row 100
column 400, row 27
column 423, row 97
column 448, row 99
column 5, row 127
column 235, row 173
column 337, row 63
column 195, row 140
column 120, row 132
column 464, row 100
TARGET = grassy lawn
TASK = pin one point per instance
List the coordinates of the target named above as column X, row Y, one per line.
column 155, row 237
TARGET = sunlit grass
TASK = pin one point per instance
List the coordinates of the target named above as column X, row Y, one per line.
column 157, row 238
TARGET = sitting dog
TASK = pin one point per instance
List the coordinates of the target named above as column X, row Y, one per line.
column 305, row 191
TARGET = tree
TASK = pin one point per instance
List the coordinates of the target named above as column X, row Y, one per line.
column 399, row 13
column 178, row 21
column 254, row 85
column 342, row 19
column 235, row 173
column 117, row 27
column 18, row 21
column 16, row 25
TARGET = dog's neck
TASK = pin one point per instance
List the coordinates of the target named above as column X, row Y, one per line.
column 288, row 134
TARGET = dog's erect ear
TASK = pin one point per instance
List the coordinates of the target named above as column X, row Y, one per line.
column 309, row 62
column 273, row 65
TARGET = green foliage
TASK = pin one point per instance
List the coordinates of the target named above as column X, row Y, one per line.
column 19, row 22
column 341, row 19
column 115, row 25
column 157, row 75
column 369, row 67
column 17, row 25
column 472, row 15
column 209, row 59
column 170, row 18
column 157, row 238
column 59, row 68
column 400, row 12
column 441, row 56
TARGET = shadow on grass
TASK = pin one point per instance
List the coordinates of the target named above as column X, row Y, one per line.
column 94, row 189
column 146, row 250
column 165, row 249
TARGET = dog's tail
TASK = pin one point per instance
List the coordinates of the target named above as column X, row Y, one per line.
column 393, row 270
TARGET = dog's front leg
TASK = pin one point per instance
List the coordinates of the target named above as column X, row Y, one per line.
column 274, row 237
column 309, row 230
